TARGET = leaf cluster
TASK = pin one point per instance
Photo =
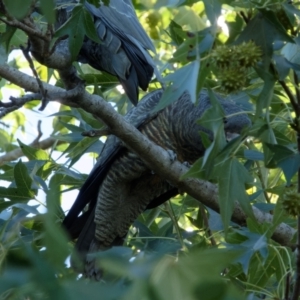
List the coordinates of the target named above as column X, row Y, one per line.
column 181, row 250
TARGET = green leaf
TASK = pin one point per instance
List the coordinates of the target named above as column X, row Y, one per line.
column 23, row 180
column 33, row 153
column 82, row 146
column 289, row 7
column 17, row 8
column 74, row 29
column 213, row 10
column 254, row 243
column 195, row 171
column 194, row 45
column 253, row 155
column 183, row 80
column 176, row 32
column 266, row 95
column 70, row 137
column 14, row 194
column 264, row 29
column 5, row 140
column 71, row 127
column 55, row 238
column 285, row 158
column 231, row 181
column 279, row 32
column 212, row 119
column 28, row 208
column 235, row 27
column 176, row 280
column 89, row 26
column 283, row 66
column 261, row 271
column 97, row 3
column 48, row 10
column 43, row 274
column 6, row 36
column 291, row 51
column 186, row 16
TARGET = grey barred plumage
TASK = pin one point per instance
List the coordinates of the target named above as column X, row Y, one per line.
column 123, row 51
column 121, row 186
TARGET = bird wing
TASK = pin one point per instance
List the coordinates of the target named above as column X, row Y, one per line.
column 112, row 149
column 121, row 18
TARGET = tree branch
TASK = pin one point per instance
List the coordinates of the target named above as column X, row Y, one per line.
column 17, row 153
column 154, row 156
column 16, row 103
column 31, row 65
column 27, row 26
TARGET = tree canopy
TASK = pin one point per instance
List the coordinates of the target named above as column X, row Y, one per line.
column 232, row 232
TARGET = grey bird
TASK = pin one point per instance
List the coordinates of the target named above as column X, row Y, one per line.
column 123, row 51
column 121, row 186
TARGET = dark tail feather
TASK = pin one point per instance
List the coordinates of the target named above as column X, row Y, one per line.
column 86, row 236
column 130, row 86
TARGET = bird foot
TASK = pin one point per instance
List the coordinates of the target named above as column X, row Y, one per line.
column 230, row 136
column 187, row 164
column 91, row 271
column 172, row 155
column 91, row 268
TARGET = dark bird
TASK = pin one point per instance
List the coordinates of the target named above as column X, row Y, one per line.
column 123, row 51
column 121, row 186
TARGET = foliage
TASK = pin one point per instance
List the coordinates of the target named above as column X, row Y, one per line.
column 181, row 250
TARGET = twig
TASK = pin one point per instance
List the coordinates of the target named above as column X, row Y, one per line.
column 40, row 133
column 263, row 185
column 171, row 213
column 94, row 132
column 244, row 17
column 297, row 87
column 287, row 287
column 290, row 95
column 31, row 65
column 206, row 224
column 4, row 124
column 16, row 103
column 30, row 30
column 17, row 153
column 5, row 111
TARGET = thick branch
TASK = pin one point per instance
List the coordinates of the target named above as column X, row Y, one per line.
column 154, row 156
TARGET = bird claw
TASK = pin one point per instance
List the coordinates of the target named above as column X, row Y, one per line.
column 172, row 155
column 231, row 135
column 91, row 271
column 187, row 164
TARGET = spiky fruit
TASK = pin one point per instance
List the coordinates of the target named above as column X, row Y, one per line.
column 153, row 19
column 232, row 79
column 222, row 56
column 232, row 63
column 248, row 54
column 291, row 202
column 244, row 55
